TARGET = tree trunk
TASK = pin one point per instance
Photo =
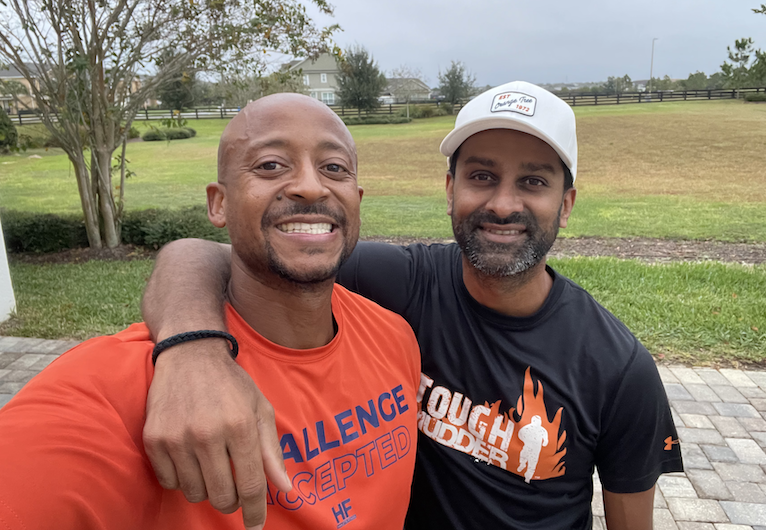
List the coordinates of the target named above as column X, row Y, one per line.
column 106, row 205
column 87, row 200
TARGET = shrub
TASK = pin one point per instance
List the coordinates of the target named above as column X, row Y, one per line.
column 35, row 136
column 177, row 134
column 35, row 232
column 758, row 96
column 374, row 120
column 8, row 134
column 154, row 135
column 154, row 228
column 423, row 111
column 447, row 107
column 133, row 133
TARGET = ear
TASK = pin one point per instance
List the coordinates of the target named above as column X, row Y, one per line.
column 216, row 207
column 450, row 188
column 361, row 192
column 566, row 206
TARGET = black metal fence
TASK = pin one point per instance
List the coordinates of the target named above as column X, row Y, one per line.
column 575, row 100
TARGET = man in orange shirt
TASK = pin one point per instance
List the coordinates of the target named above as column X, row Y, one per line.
column 343, row 373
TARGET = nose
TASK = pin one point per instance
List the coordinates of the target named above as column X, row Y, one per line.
column 307, row 185
column 505, row 200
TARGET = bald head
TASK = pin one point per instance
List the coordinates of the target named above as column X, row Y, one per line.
column 274, row 121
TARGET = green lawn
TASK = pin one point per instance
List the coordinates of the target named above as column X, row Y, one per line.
column 698, row 312
column 693, row 170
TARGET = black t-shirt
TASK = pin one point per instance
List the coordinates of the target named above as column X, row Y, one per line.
column 516, row 412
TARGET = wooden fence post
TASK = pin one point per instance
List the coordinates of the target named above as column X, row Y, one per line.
column 618, row 98
column 196, row 113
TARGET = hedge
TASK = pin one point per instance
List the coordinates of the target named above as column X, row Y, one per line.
column 374, row 120
column 35, row 232
column 758, row 96
column 180, row 133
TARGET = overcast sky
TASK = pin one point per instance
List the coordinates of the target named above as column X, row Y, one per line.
column 549, row 41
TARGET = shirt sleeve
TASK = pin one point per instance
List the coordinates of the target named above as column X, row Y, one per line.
column 382, row 272
column 639, row 440
column 71, row 455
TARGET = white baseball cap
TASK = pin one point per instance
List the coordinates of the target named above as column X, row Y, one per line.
column 519, row 106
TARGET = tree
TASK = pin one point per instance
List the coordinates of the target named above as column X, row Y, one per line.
column 239, row 89
column 359, row 81
column 695, row 81
column 407, row 85
column 618, row 85
column 8, row 136
column 738, row 71
column 456, row 84
column 177, row 91
column 86, row 60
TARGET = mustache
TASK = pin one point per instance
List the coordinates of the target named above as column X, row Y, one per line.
column 516, row 218
column 294, row 208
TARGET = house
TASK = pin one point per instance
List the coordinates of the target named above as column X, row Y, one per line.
column 319, row 76
column 400, row 88
column 10, row 75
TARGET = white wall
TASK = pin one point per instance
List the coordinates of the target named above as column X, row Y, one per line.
column 7, row 300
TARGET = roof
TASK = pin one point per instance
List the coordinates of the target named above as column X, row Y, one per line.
column 396, row 84
column 11, row 72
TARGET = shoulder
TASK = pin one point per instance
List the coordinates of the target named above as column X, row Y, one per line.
column 595, row 330
column 109, row 372
column 358, row 310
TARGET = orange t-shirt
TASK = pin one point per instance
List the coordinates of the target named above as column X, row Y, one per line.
column 72, row 456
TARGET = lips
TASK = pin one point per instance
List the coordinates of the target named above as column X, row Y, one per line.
column 305, row 228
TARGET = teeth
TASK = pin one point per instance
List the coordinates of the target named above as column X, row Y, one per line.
column 305, row 228
column 505, row 232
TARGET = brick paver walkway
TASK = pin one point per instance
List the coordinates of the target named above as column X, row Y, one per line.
column 720, row 415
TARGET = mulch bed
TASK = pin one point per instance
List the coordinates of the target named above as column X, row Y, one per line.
column 645, row 249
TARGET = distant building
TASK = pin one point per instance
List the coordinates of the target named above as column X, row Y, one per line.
column 319, row 76
column 399, row 88
column 12, row 104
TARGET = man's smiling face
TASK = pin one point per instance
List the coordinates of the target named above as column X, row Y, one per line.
column 507, row 201
column 287, row 189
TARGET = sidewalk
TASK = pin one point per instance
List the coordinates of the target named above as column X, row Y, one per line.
column 720, row 419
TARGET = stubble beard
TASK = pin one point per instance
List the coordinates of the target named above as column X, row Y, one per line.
column 310, row 279
column 500, row 260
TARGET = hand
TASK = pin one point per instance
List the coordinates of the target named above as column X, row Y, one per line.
column 202, row 410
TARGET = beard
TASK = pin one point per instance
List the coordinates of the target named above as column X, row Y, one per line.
column 501, row 260
column 313, row 277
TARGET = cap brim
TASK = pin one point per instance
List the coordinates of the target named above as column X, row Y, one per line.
column 459, row 135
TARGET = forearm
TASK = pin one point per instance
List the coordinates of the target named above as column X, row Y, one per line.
column 186, row 290
column 629, row 511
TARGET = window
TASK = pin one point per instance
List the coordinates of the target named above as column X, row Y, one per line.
column 328, row 98
column 306, row 79
column 323, row 78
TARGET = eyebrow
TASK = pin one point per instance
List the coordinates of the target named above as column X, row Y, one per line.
column 530, row 166
column 487, row 162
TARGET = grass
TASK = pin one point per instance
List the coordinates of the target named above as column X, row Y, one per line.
column 694, row 170
column 689, row 312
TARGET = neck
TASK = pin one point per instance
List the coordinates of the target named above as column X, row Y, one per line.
column 520, row 295
column 289, row 314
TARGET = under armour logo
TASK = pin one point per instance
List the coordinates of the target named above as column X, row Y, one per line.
column 669, row 441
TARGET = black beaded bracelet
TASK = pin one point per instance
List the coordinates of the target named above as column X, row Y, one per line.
column 194, row 335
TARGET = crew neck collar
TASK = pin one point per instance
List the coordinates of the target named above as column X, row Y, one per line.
column 257, row 342
column 509, row 321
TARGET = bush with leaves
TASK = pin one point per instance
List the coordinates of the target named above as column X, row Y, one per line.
column 758, row 96
column 43, row 233
column 8, row 134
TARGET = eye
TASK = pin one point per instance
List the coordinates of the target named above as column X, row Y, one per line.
column 270, row 166
column 334, row 168
column 534, row 181
column 482, row 177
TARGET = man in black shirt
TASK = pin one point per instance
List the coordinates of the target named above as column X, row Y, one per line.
column 527, row 382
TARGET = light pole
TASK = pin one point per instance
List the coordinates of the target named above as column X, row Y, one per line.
column 651, row 69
